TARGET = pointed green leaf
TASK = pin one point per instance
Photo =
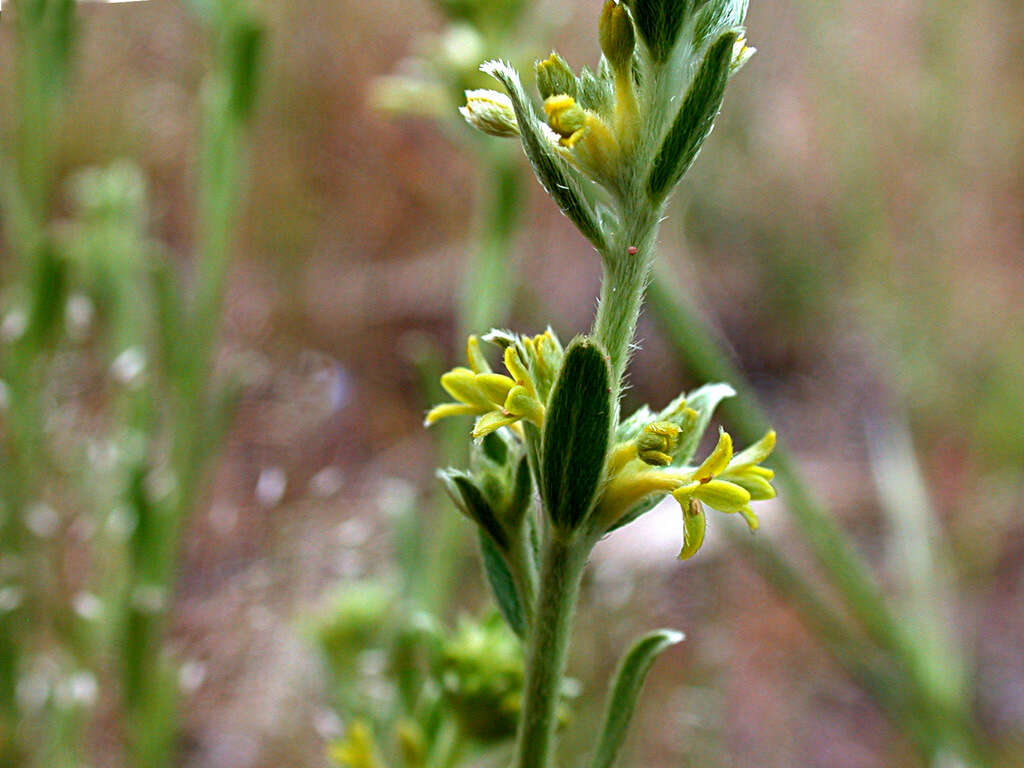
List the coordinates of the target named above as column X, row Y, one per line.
column 502, row 585
column 577, row 431
column 472, row 502
column 522, row 492
column 659, row 23
column 622, row 697
column 552, row 172
column 695, row 119
column 717, row 16
column 596, row 92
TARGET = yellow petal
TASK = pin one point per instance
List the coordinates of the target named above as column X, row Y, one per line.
column 476, row 358
column 723, row 495
column 758, row 488
column 748, row 514
column 445, row 410
column 494, row 386
column 694, row 527
column 718, row 460
column 491, row 421
column 460, row 383
column 521, row 403
column 755, row 453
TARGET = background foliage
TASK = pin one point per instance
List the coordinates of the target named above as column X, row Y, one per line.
column 854, row 227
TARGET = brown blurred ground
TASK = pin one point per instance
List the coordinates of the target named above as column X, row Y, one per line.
column 854, row 224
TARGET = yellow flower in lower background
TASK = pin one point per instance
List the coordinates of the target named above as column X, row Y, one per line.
column 357, row 750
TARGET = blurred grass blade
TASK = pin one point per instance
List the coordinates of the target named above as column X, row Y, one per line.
column 622, row 698
column 914, row 544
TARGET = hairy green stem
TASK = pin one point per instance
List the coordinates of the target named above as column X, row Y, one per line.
column 561, row 570
column 627, row 268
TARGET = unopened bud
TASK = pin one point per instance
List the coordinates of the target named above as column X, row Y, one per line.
column 555, row 77
column 565, row 116
column 490, row 112
column 656, row 442
column 617, row 36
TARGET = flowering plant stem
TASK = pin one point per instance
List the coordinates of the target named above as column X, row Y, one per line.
column 626, row 273
column 552, row 423
column 561, row 570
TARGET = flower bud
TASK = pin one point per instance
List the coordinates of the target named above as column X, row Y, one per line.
column 565, row 116
column 656, row 442
column 617, row 36
column 555, row 77
column 490, row 112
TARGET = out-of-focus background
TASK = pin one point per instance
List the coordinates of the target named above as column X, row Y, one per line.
column 853, row 225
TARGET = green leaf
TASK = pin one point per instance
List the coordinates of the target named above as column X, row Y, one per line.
column 552, row 172
column 471, row 501
column 522, row 492
column 659, row 23
column 502, row 585
column 704, row 401
column 596, row 92
column 695, row 119
column 577, row 431
column 622, row 698
column 717, row 16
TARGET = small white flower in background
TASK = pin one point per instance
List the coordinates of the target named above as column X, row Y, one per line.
column 328, row 725
column 326, row 482
column 270, row 486
column 149, row 598
column 128, row 367
column 42, row 519
column 354, row 532
column 13, row 325
column 77, row 690
column 160, row 483
column 121, row 522
column 10, row 598
column 191, row 676
column 395, row 494
column 103, row 454
column 87, row 606
column 5, row 395
column 78, row 315
column 32, row 692
column 462, row 46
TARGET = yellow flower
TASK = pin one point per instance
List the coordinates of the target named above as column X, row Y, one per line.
column 500, row 400
column 723, row 481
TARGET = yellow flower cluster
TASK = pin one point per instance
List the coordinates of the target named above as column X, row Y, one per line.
column 640, row 468
column 500, row 400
